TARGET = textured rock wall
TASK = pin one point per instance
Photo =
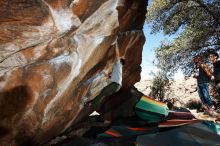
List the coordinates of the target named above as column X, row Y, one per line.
column 51, row 54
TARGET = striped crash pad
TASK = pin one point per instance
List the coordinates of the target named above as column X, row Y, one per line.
column 176, row 119
column 127, row 131
column 151, row 110
column 180, row 115
column 176, row 123
column 131, row 131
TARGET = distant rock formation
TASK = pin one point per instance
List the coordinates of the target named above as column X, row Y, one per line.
column 52, row 53
column 181, row 90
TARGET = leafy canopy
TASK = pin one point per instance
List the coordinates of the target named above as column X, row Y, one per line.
column 196, row 24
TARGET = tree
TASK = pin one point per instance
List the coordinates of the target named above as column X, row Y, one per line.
column 196, row 24
column 159, row 84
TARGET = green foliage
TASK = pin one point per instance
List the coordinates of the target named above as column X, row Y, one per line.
column 159, row 83
column 196, row 24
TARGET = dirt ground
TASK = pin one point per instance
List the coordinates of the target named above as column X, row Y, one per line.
column 203, row 116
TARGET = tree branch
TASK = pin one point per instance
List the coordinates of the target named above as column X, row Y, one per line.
column 205, row 7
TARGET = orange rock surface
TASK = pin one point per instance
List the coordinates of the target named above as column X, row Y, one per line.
column 49, row 49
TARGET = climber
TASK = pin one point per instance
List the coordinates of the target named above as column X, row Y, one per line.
column 203, row 74
column 213, row 56
column 214, row 59
column 116, row 81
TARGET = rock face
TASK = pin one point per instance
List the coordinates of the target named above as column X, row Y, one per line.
column 183, row 91
column 52, row 54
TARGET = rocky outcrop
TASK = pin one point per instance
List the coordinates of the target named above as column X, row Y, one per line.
column 181, row 91
column 52, row 53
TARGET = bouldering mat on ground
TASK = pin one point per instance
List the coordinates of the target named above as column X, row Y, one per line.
column 151, row 110
column 197, row 134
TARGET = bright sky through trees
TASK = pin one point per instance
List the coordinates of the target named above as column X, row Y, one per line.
column 152, row 41
column 194, row 26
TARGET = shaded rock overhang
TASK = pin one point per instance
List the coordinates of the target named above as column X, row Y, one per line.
column 49, row 52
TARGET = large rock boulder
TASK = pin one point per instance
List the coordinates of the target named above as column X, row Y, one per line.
column 52, row 53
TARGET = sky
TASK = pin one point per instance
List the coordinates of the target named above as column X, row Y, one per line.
column 148, row 56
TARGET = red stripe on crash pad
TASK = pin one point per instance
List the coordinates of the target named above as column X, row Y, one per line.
column 172, row 123
column 112, row 133
column 138, row 129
